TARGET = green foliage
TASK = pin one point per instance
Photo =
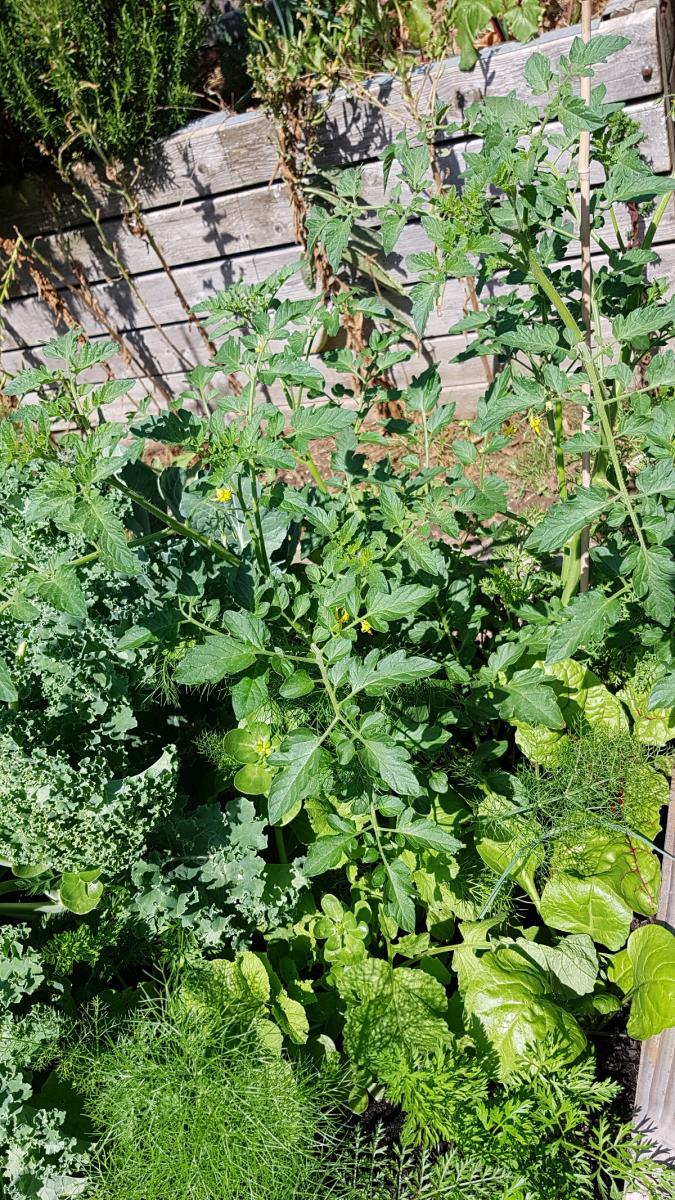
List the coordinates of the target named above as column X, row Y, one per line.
column 97, row 76
column 62, row 818
column 646, row 971
column 188, row 1108
column 408, row 799
column 39, row 1151
column 299, row 46
column 526, row 1140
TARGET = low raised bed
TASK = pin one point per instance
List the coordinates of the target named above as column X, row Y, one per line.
column 212, row 200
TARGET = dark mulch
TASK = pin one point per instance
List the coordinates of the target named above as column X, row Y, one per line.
column 618, row 1058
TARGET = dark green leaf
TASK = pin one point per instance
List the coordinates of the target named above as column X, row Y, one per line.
column 8, row 692
column 384, row 758
column 538, row 73
column 298, row 764
column 566, row 518
column 586, row 619
column 210, row 662
column 399, row 894
column 321, row 421
column 402, row 601
column 326, row 853
column 298, row 684
column 598, row 49
column 531, row 699
column 654, row 579
column 425, row 833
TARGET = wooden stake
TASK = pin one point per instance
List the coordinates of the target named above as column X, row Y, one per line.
column 586, row 279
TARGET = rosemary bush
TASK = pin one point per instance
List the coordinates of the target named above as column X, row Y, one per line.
column 76, row 74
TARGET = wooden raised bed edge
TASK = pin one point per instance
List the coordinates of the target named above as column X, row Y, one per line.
column 654, row 1109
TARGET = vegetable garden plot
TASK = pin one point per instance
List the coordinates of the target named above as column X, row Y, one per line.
column 293, row 789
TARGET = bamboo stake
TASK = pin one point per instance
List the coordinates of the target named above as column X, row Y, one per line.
column 586, row 280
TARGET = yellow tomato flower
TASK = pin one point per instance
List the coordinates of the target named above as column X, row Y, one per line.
column 366, row 627
column 223, row 494
column 535, row 423
column 342, row 617
column 509, row 429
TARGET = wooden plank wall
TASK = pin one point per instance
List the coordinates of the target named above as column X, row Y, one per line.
column 213, row 201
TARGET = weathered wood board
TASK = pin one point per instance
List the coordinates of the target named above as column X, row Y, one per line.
column 213, row 201
column 228, row 225
column 224, row 154
column 29, row 323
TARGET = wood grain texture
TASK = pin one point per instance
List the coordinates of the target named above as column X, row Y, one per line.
column 224, row 226
column 185, row 349
column 29, row 323
column 214, row 155
column 218, row 219
column 363, row 129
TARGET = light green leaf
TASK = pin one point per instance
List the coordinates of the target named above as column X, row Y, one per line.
column 651, row 950
column 571, row 966
column 662, row 694
column 653, row 726
column 79, row 892
column 8, row 692
column 242, row 985
column 335, row 237
column 510, row 998
column 27, row 381
column 298, row 763
column 424, row 295
column 291, row 1017
column 253, row 779
column 419, row 23
column 584, row 700
column 391, row 1011
column 590, row 905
